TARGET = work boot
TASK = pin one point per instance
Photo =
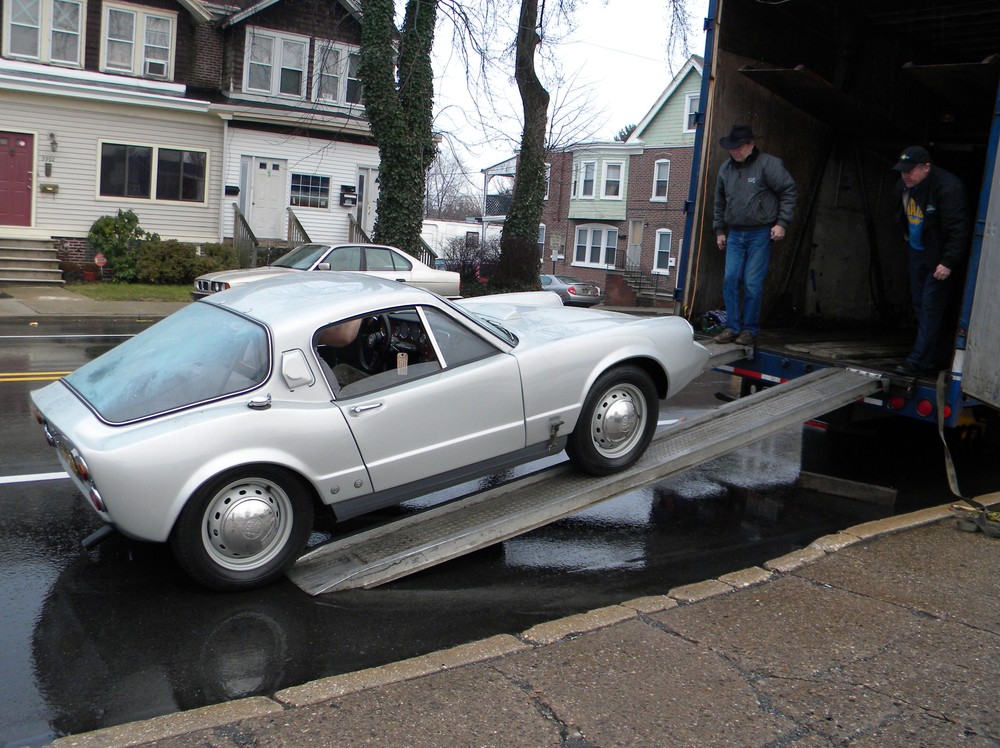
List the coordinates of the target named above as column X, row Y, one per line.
column 726, row 336
column 746, row 338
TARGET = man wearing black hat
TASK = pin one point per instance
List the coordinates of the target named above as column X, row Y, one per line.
column 754, row 204
column 932, row 213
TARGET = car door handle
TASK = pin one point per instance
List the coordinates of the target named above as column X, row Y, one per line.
column 357, row 410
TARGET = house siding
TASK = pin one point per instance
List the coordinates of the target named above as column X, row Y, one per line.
column 338, row 160
column 75, row 166
column 667, row 127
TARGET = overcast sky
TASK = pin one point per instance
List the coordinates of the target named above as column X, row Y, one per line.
column 617, row 53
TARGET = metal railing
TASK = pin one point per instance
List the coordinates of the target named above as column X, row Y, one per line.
column 244, row 241
column 296, row 232
column 643, row 283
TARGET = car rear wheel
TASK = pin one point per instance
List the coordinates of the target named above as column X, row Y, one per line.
column 243, row 528
column 617, row 421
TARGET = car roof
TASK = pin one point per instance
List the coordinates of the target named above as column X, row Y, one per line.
column 316, row 298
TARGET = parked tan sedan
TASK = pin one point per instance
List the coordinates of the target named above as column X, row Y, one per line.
column 374, row 259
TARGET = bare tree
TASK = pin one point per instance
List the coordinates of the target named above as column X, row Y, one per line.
column 451, row 194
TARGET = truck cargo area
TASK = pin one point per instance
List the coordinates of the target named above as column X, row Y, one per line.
column 837, row 90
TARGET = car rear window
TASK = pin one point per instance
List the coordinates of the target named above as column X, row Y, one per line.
column 198, row 354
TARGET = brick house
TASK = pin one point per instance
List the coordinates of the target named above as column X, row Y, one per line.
column 614, row 211
column 198, row 116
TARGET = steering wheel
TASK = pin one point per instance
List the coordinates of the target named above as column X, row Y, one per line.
column 374, row 339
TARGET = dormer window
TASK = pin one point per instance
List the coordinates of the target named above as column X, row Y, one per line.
column 138, row 41
column 337, row 76
column 275, row 64
column 48, row 31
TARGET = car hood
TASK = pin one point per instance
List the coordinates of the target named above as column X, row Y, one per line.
column 235, row 277
column 540, row 316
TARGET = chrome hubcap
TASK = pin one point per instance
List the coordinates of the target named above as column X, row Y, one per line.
column 247, row 522
column 618, row 420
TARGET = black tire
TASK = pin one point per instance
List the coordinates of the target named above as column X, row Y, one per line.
column 244, row 528
column 617, row 421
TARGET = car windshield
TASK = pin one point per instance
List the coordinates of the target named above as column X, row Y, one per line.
column 198, row 354
column 302, row 257
column 487, row 323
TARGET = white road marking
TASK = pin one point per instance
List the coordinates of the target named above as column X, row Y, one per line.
column 32, row 478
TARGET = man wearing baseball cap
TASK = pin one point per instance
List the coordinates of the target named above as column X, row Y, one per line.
column 932, row 213
column 754, row 204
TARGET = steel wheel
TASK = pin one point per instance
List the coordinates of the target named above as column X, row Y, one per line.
column 616, row 423
column 244, row 528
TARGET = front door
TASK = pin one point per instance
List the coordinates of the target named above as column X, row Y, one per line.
column 16, row 156
column 268, row 197
column 367, row 199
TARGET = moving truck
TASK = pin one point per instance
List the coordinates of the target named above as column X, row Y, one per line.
column 837, row 90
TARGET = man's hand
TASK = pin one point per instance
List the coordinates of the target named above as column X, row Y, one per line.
column 721, row 241
column 941, row 272
column 777, row 233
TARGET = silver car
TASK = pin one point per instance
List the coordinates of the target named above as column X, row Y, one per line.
column 572, row 290
column 222, row 428
column 374, row 259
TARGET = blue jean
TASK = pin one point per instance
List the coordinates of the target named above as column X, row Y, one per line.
column 931, row 300
column 748, row 252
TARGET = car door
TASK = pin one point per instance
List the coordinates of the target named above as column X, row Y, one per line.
column 465, row 412
column 385, row 263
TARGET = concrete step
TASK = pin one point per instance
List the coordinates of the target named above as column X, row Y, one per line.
column 29, row 261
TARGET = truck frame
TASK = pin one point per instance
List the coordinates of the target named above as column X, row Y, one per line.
column 837, row 90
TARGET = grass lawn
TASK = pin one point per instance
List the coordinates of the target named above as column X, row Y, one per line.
column 131, row 291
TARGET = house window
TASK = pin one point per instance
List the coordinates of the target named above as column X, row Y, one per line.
column 310, row 191
column 595, row 246
column 661, row 181
column 337, row 74
column 583, row 179
column 691, row 111
column 276, row 64
column 612, row 180
column 44, row 30
column 661, row 265
column 132, row 170
column 137, row 41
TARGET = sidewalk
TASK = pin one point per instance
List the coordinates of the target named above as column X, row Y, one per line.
column 33, row 302
column 887, row 634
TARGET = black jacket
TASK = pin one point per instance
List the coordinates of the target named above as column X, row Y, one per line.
column 941, row 198
column 758, row 192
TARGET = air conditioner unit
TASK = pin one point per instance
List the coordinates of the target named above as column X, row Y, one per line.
column 156, row 68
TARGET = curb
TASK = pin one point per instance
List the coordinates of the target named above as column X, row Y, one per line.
column 326, row 689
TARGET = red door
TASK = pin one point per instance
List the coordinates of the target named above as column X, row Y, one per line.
column 16, row 155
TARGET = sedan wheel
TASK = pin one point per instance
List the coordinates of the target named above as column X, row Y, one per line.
column 617, row 422
column 244, row 528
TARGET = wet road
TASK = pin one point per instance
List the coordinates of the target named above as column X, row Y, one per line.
column 92, row 639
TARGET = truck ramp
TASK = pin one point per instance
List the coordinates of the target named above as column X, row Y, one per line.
column 439, row 534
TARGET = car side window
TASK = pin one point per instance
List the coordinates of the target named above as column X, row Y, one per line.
column 458, row 344
column 378, row 259
column 345, row 258
column 379, row 350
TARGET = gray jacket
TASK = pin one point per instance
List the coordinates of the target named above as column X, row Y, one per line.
column 759, row 192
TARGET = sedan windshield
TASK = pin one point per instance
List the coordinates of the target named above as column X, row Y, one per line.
column 302, row 257
column 198, row 354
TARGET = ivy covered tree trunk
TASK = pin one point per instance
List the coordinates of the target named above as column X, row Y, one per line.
column 398, row 96
column 518, row 267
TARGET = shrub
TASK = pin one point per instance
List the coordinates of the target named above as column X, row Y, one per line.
column 176, row 263
column 118, row 238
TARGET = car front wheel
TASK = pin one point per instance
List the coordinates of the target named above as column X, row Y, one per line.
column 243, row 528
column 617, row 422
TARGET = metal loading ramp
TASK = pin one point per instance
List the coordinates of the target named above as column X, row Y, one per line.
column 445, row 532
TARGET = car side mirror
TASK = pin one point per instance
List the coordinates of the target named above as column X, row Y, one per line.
column 323, row 266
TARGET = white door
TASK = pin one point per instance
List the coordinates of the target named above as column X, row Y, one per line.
column 634, row 251
column 367, row 198
column 268, row 197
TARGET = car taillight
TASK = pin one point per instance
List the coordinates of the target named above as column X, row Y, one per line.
column 79, row 466
column 572, row 290
column 96, row 499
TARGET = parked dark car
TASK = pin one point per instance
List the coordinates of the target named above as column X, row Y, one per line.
column 573, row 291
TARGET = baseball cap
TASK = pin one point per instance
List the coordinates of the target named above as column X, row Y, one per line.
column 912, row 156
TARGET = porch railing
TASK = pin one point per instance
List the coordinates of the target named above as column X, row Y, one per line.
column 356, row 234
column 296, row 232
column 244, row 241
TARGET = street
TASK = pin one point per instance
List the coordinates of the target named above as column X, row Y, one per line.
column 119, row 633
